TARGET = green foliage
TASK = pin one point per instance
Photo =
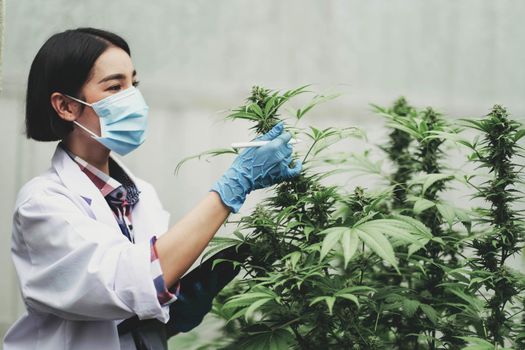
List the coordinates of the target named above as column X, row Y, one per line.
column 397, row 148
column 418, row 181
column 503, row 228
column 263, row 105
column 394, row 267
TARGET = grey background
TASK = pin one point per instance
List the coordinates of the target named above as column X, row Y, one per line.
column 198, row 58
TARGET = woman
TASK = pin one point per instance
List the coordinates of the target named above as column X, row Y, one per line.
column 91, row 242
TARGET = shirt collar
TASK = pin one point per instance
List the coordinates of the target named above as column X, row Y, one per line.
column 107, row 185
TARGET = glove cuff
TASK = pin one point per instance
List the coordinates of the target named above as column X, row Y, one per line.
column 233, row 188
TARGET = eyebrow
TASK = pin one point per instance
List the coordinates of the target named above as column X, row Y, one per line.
column 117, row 76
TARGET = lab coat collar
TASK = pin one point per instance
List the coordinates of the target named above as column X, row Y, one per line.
column 148, row 216
column 74, row 179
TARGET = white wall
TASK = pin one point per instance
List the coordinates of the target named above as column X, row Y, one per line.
column 197, row 58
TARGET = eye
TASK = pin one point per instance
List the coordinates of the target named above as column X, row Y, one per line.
column 136, row 83
column 114, row 88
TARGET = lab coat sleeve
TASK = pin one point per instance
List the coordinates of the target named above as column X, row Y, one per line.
column 77, row 268
column 164, row 296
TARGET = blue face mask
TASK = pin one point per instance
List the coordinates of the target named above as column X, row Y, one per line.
column 123, row 120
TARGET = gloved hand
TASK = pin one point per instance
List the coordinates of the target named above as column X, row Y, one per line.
column 193, row 302
column 199, row 287
column 257, row 167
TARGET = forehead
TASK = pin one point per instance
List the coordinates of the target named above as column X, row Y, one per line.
column 112, row 61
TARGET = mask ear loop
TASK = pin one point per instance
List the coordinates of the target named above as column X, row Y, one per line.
column 76, row 99
column 86, row 129
column 77, row 123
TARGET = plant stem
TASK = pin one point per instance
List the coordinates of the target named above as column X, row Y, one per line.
column 309, row 150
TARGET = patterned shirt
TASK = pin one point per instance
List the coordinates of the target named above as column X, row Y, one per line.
column 121, row 196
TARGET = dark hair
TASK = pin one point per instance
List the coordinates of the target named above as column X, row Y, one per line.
column 62, row 64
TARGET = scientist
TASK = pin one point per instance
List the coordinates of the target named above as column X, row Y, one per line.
column 90, row 241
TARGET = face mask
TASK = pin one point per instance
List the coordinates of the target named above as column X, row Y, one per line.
column 123, row 120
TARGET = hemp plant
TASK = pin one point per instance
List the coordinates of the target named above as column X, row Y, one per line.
column 501, row 229
column 312, row 247
column 398, row 152
column 428, row 319
column 393, row 267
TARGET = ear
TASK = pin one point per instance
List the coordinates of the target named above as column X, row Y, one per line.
column 66, row 108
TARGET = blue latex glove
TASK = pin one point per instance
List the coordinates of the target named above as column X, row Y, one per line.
column 258, row 167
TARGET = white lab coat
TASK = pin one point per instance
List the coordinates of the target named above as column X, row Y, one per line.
column 79, row 275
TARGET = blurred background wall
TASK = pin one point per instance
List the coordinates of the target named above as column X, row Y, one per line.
column 196, row 59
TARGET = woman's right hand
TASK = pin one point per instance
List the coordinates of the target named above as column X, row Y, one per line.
column 258, row 167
